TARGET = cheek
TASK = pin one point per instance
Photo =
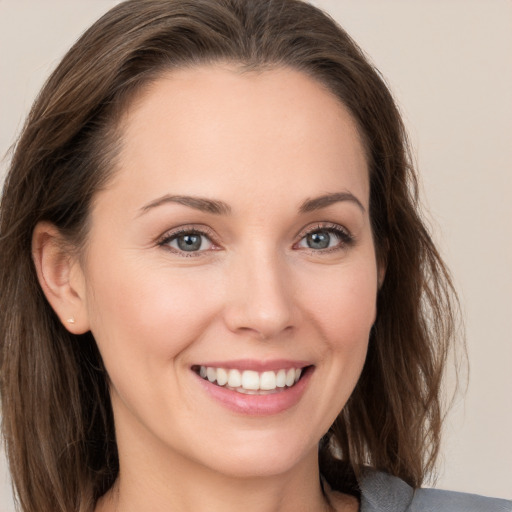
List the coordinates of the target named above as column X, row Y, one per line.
column 343, row 306
column 145, row 314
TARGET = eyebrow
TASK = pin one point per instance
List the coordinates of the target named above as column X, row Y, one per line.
column 221, row 208
column 326, row 200
column 199, row 203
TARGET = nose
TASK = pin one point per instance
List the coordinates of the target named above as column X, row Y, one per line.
column 260, row 299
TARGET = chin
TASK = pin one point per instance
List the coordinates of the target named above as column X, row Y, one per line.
column 260, row 458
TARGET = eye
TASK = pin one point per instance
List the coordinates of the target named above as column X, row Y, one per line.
column 187, row 241
column 322, row 238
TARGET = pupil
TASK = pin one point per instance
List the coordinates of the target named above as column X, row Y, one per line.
column 318, row 240
column 189, row 242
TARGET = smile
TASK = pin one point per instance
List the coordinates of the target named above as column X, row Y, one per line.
column 255, row 388
column 249, row 381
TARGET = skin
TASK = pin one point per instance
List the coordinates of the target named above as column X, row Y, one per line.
column 262, row 143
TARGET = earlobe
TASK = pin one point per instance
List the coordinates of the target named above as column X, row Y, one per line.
column 381, row 276
column 60, row 277
column 382, row 264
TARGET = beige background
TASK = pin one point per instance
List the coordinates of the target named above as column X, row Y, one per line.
column 449, row 64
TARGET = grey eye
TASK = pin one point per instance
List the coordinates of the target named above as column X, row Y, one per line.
column 318, row 240
column 190, row 242
column 325, row 238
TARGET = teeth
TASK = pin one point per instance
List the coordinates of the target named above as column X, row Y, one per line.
column 290, row 377
column 234, row 379
column 249, row 381
column 268, row 380
column 222, row 376
column 211, row 374
column 280, row 378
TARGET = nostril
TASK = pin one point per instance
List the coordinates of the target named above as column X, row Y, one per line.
column 262, row 306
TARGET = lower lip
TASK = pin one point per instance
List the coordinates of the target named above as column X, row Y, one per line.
column 257, row 405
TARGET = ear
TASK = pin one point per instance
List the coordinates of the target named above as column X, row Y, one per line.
column 382, row 263
column 381, row 274
column 60, row 276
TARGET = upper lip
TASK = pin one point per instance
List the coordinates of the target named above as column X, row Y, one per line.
column 256, row 365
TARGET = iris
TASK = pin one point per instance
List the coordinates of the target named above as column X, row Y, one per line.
column 318, row 240
column 189, row 242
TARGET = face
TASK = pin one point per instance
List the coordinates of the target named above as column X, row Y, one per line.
column 230, row 272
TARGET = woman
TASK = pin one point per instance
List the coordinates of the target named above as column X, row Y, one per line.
column 216, row 289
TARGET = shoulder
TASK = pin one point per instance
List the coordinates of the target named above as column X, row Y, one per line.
column 381, row 492
column 437, row 500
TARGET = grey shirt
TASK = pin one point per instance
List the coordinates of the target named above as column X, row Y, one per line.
column 381, row 492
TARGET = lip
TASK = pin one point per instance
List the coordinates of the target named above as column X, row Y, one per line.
column 257, row 405
column 257, row 366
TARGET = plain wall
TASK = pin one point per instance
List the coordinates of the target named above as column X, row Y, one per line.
column 449, row 65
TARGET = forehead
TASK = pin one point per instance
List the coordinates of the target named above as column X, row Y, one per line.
column 195, row 130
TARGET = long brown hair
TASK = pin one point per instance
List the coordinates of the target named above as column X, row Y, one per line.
column 57, row 417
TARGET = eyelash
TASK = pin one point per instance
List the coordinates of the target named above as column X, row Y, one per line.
column 345, row 237
column 169, row 237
